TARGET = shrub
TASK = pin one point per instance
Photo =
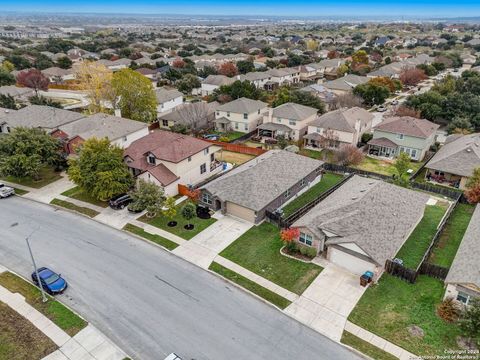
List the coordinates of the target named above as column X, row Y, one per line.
column 449, row 309
column 366, row 137
column 303, row 250
column 311, row 252
column 224, row 139
column 349, row 155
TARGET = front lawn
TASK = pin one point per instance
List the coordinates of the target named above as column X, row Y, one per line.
column 157, row 239
column 264, row 293
column 20, row 192
column 67, row 320
column 328, row 181
column 451, row 237
column 383, row 167
column 161, row 222
column 389, row 308
column 79, row 194
column 258, row 250
column 47, row 175
column 419, row 240
column 71, row 206
column 365, row 347
column 20, row 339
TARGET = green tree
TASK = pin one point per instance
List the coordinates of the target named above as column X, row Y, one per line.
column 99, row 169
column 245, row 66
column 284, row 95
column 7, row 102
column 239, row 89
column 148, row 196
column 189, row 211
column 137, row 98
column 372, row 94
column 64, row 62
column 470, row 321
column 5, row 77
column 188, row 83
column 402, row 164
column 169, row 209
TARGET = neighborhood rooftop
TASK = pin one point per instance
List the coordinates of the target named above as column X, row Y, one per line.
column 343, row 119
column 293, row 111
column 243, row 106
column 408, row 125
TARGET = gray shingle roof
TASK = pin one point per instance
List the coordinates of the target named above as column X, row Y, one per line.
column 375, row 215
column 218, row 80
column 164, row 95
column 258, row 182
column 465, row 268
column 44, row 117
column 344, row 119
column 346, row 83
column 459, row 156
column 408, row 125
column 293, row 111
column 243, row 106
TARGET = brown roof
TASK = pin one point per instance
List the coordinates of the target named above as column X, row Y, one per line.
column 163, row 174
column 383, row 142
column 407, row 125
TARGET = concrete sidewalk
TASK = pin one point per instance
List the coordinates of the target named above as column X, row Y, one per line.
column 48, row 192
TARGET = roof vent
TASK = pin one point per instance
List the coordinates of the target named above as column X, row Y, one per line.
column 469, row 150
column 354, row 197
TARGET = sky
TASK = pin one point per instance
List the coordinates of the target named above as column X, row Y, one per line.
column 393, row 8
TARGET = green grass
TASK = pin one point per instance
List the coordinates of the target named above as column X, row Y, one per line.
column 46, row 176
column 419, row 240
column 258, row 250
column 157, row 239
column 264, row 293
column 451, row 237
column 79, row 194
column 80, row 209
column 54, row 310
column 383, row 167
column 365, row 347
column 20, row 191
column 231, row 135
column 311, row 153
column 389, row 308
column 161, row 222
column 328, row 180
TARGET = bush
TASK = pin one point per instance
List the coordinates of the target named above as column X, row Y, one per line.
column 311, row 252
column 449, row 310
column 224, row 139
column 303, row 250
column 366, row 137
column 349, row 155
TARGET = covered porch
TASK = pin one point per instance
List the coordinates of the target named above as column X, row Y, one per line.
column 222, row 124
column 382, row 147
column 316, row 141
column 444, row 178
column 272, row 130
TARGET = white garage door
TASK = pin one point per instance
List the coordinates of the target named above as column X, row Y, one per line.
column 240, row 211
column 351, row 263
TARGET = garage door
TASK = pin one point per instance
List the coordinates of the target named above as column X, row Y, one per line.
column 350, row 262
column 240, row 211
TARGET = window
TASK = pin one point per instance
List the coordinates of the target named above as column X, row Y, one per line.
column 245, row 116
column 292, row 122
column 279, row 120
column 228, row 113
column 413, row 154
column 212, row 157
column 124, row 138
column 462, row 297
column 218, row 113
column 203, row 169
column 302, row 182
column 161, row 106
column 287, row 193
column 205, row 151
column 189, row 158
column 236, row 125
column 151, row 159
column 207, row 199
column 258, row 112
column 165, row 123
column 400, row 136
column 245, row 126
column 319, row 130
column 305, row 239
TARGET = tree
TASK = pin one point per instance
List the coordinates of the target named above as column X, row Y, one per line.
column 348, row 100
column 189, row 211
column 64, row 62
column 470, row 320
column 8, row 66
column 372, row 94
column 342, row 70
column 99, row 169
column 412, row 76
column 284, row 95
column 406, row 111
column 26, row 150
column 148, row 196
column 289, row 236
column 42, row 62
column 402, row 164
column 96, row 79
column 237, row 90
column 282, row 142
column 137, row 98
column 5, row 77
column 328, row 139
column 195, row 116
column 472, row 186
column 460, row 125
column 349, row 155
column 33, row 79
column 385, row 81
column 228, row 69
column 169, row 209
column 178, row 63
column 188, row 83
column 42, row 100
column 19, row 62
column 245, row 66
column 359, row 57
column 8, row 102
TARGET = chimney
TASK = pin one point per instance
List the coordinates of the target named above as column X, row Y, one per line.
column 118, row 113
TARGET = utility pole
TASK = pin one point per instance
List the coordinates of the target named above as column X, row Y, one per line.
column 44, row 297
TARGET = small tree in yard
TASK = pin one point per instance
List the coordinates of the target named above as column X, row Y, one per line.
column 472, row 191
column 282, row 142
column 189, row 211
column 412, row 76
column 349, row 155
column 169, row 209
column 402, row 164
column 148, row 196
column 33, row 79
column 288, row 237
column 228, row 69
column 470, row 321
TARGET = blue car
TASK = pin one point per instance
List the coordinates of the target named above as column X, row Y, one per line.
column 52, row 282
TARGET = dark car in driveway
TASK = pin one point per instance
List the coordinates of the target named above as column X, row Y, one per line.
column 120, row 201
column 52, row 282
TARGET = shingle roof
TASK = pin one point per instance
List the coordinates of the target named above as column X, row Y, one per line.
column 465, row 268
column 258, row 182
column 164, row 95
column 407, row 125
column 293, row 111
column 346, row 83
column 162, row 174
column 383, row 142
column 218, row 80
column 15, row 91
column 243, row 105
column 460, row 156
column 45, row 117
column 4, row 112
column 343, row 119
column 375, row 215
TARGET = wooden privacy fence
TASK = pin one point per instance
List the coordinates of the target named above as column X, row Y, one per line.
column 400, row 271
column 345, row 169
column 433, row 270
column 238, row 148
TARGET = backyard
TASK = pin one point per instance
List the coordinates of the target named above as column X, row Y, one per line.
column 258, row 250
column 328, row 181
column 79, row 194
column 230, row 135
column 233, row 157
column 46, row 176
column 419, row 240
column 383, row 167
column 389, row 308
column 161, row 222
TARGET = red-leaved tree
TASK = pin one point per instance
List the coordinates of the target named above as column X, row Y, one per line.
column 228, row 69
column 290, row 234
column 412, row 76
column 178, row 64
column 33, row 79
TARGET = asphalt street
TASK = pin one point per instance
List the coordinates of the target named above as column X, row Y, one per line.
column 148, row 301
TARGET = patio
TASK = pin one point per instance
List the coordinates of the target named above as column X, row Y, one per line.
column 382, row 147
column 272, row 131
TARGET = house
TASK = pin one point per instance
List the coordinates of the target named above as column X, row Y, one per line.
column 265, row 183
column 339, row 127
column 243, row 115
column 402, row 134
column 280, row 77
column 362, row 224
column 320, row 91
column 290, row 120
column 455, row 161
column 257, row 78
column 345, row 84
column 58, row 75
column 169, row 159
column 199, row 115
column 167, row 99
column 213, row 82
column 327, row 67
column 463, row 278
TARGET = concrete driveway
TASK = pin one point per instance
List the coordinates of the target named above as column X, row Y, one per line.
column 328, row 301
column 205, row 246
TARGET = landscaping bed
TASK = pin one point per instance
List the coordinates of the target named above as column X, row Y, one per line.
column 47, row 175
column 79, row 194
column 258, row 250
column 327, row 182
column 80, row 209
column 161, row 222
column 391, row 307
column 419, row 240
column 252, row 286
column 365, row 347
column 63, row 317
column 20, row 339
column 157, row 239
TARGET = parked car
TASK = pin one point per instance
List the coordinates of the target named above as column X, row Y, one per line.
column 381, row 108
column 394, row 102
column 120, row 201
column 6, row 191
column 52, row 282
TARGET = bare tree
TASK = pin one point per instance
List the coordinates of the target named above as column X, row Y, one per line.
column 329, row 139
column 348, row 100
column 349, row 155
column 195, row 116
